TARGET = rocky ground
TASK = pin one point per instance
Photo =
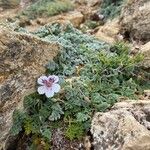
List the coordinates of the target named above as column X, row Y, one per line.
column 23, row 56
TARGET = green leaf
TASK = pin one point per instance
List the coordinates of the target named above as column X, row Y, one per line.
column 18, row 119
column 51, row 66
column 75, row 131
column 46, row 133
column 56, row 112
column 28, row 126
column 103, row 106
column 81, row 117
column 97, row 98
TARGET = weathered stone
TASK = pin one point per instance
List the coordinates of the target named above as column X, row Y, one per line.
column 22, row 61
column 86, row 11
column 125, row 127
column 89, row 3
column 94, row 2
column 145, row 50
column 9, row 3
column 73, row 17
column 25, row 3
column 135, row 20
column 80, row 2
column 109, row 32
column 147, row 93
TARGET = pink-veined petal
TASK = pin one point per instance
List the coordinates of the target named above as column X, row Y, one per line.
column 40, row 80
column 41, row 89
column 56, row 88
column 49, row 93
column 56, row 78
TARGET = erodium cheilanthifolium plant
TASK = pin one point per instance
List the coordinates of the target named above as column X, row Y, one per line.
column 111, row 8
column 92, row 75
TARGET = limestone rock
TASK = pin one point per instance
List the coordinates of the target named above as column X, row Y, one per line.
column 89, row 3
column 109, row 32
column 135, row 19
column 80, row 2
column 145, row 50
column 94, row 2
column 9, row 3
column 125, row 127
column 25, row 3
column 22, row 61
column 86, row 11
column 75, row 17
column 147, row 93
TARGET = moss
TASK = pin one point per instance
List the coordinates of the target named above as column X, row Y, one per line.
column 75, row 130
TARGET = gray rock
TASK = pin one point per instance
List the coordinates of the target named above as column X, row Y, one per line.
column 145, row 50
column 9, row 3
column 135, row 19
column 125, row 127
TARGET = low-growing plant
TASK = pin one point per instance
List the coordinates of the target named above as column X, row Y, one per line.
column 92, row 24
column 92, row 75
column 43, row 8
column 111, row 8
column 75, row 130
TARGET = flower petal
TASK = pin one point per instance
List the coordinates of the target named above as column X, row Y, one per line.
column 56, row 78
column 49, row 93
column 56, row 88
column 40, row 80
column 41, row 90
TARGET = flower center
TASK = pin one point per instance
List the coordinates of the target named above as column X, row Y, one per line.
column 48, row 83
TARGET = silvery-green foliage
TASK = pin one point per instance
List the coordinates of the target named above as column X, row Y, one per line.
column 93, row 75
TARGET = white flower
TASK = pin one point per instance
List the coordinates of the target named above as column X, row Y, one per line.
column 49, row 85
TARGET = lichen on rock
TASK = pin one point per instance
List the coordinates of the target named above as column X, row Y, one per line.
column 125, row 127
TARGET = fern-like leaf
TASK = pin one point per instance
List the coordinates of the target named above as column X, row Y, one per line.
column 81, row 117
column 56, row 112
column 18, row 118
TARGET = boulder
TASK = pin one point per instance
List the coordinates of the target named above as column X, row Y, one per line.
column 109, row 32
column 25, row 3
column 9, row 3
column 135, row 20
column 75, row 17
column 22, row 61
column 92, row 3
column 125, row 127
column 145, row 50
column 80, row 2
column 89, row 3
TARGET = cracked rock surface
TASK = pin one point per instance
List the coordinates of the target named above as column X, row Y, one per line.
column 125, row 127
column 135, row 19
